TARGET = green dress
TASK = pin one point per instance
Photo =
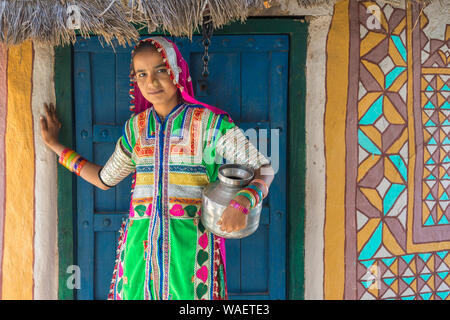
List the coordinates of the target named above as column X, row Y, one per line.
column 164, row 250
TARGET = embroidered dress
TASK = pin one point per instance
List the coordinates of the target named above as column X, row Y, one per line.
column 164, row 251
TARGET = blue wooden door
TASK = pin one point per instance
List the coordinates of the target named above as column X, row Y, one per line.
column 248, row 78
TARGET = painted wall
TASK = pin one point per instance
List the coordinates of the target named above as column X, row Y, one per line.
column 28, row 233
column 386, row 144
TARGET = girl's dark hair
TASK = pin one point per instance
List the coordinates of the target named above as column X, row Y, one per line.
column 142, row 46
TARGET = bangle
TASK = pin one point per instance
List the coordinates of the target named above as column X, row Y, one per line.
column 238, row 206
column 248, row 195
column 255, row 194
column 62, row 158
column 264, row 185
column 62, row 155
column 257, row 190
column 80, row 166
column 74, row 160
column 75, row 164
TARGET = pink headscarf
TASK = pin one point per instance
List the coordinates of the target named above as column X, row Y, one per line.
column 179, row 73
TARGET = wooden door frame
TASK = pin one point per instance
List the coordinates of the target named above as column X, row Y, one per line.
column 297, row 29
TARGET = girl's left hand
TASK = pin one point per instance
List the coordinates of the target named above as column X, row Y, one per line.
column 232, row 219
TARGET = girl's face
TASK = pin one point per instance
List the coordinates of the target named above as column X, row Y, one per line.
column 153, row 79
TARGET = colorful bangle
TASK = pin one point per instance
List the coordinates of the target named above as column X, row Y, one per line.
column 257, row 190
column 70, row 158
column 79, row 166
column 260, row 187
column 255, row 194
column 238, row 206
column 77, row 170
column 74, row 160
column 264, row 185
column 62, row 155
column 248, row 195
column 66, row 157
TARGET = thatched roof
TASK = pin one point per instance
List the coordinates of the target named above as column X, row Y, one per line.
column 49, row 21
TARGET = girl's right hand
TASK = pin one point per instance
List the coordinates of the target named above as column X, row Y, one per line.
column 50, row 125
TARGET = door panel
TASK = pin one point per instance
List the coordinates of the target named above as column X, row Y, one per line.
column 248, row 79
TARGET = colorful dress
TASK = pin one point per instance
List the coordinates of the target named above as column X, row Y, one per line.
column 164, row 250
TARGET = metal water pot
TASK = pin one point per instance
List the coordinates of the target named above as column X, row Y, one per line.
column 217, row 195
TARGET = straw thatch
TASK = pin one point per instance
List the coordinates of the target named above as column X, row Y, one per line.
column 49, row 21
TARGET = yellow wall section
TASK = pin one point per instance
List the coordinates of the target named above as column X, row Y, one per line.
column 335, row 115
column 20, row 169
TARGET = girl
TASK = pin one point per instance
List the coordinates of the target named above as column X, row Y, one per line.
column 173, row 145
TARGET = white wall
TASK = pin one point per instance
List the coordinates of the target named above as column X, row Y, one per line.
column 315, row 156
column 46, row 217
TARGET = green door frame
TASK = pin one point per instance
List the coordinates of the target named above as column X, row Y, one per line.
column 297, row 29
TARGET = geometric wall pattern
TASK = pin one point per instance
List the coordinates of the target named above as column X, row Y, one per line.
column 415, row 276
column 435, row 98
column 402, row 188
column 436, row 120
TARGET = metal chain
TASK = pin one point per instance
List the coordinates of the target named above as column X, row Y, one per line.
column 207, row 32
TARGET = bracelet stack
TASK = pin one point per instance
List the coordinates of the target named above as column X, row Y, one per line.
column 254, row 192
column 262, row 184
column 72, row 161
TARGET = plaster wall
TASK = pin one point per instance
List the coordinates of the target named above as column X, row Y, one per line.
column 315, row 156
column 46, row 219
